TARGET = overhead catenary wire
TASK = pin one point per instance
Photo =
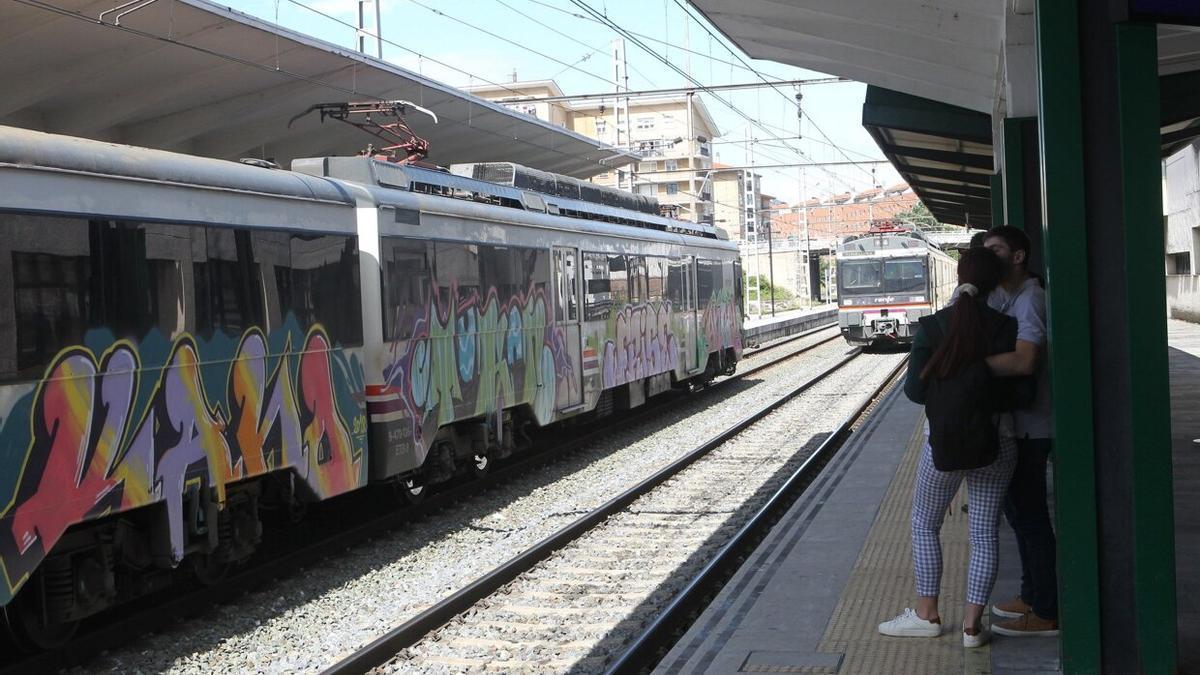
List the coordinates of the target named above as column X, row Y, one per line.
column 569, row 37
column 700, row 23
column 511, row 42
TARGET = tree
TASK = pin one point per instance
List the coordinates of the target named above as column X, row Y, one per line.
column 919, row 216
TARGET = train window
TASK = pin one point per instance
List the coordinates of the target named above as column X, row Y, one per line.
column 231, row 281
column 904, row 276
column 510, row 271
column 566, row 307
column 639, row 283
column 738, row 280
column 618, row 275
column 677, row 271
column 319, row 285
column 597, row 287
column 70, row 276
column 456, row 274
column 535, row 266
column 407, row 275
column 708, row 281
column 657, row 274
column 51, row 294
column 858, row 276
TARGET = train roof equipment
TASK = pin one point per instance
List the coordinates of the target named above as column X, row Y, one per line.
column 885, row 238
column 370, row 171
column 362, row 115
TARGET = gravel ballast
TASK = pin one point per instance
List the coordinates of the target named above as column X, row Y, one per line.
column 310, row 620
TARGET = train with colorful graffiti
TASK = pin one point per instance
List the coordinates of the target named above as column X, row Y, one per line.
column 186, row 342
column 887, row 279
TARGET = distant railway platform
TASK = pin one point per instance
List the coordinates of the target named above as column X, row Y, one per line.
column 782, row 324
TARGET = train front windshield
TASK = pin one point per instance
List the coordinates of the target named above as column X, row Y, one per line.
column 872, row 277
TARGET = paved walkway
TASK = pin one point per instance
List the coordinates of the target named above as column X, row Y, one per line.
column 808, row 600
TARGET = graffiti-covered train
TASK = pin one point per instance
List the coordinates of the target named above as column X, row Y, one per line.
column 185, row 342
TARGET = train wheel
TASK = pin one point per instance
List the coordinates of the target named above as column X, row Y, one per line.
column 296, row 511
column 411, row 490
column 208, row 572
column 28, row 632
column 481, row 464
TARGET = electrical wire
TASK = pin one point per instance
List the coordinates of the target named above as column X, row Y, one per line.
column 571, row 38
column 643, row 36
column 511, row 42
column 700, row 23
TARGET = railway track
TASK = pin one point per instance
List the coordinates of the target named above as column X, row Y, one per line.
column 329, row 536
column 607, row 573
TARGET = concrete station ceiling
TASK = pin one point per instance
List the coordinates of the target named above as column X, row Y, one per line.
column 194, row 77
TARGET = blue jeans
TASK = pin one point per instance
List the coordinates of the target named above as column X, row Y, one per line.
column 1026, row 511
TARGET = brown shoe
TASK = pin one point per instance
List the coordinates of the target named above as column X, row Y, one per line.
column 1013, row 609
column 1028, row 625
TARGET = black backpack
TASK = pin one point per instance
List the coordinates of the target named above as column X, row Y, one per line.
column 959, row 408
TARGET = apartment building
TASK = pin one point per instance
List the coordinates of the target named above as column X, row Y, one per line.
column 739, row 203
column 673, row 134
column 554, row 112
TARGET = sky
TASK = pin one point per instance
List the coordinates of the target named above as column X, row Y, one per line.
column 480, row 41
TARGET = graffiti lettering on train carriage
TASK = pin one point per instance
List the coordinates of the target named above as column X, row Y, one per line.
column 96, row 446
column 642, row 343
column 476, row 357
column 721, row 324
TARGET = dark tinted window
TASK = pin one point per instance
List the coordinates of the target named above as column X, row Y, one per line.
column 677, row 279
column 322, row 285
column 618, row 279
column 859, row 276
column 233, row 284
column 71, row 275
column 639, row 281
column 904, row 276
column 656, row 272
column 708, row 281
column 597, row 287
column 407, row 275
column 50, row 298
column 456, row 273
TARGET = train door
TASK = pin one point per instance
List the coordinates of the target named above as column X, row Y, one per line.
column 692, row 362
column 569, row 390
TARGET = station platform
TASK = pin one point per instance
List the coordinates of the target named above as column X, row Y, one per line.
column 766, row 328
column 839, row 562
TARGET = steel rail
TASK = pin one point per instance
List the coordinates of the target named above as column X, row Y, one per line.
column 410, row 632
column 645, row 651
column 112, row 631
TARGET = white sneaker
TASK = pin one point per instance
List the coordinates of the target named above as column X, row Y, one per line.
column 975, row 641
column 908, row 624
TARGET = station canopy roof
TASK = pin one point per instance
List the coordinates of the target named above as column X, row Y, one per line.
column 193, row 77
column 940, row 60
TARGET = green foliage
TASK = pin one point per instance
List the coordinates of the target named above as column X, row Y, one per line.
column 782, row 295
column 917, row 215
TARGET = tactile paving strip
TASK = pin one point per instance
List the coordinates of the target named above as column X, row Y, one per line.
column 881, row 585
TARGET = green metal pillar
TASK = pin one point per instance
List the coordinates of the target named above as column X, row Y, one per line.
column 1148, row 369
column 1014, row 172
column 1101, row 172
column 1060, row 117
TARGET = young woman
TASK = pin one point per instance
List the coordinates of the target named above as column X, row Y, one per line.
column 966, row 332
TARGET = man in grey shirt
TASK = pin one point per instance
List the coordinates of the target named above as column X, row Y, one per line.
column 1020, row 295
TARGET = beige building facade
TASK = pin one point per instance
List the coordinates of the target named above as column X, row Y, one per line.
column 673, row 134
